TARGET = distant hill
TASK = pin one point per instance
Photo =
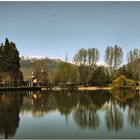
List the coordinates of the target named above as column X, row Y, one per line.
column 27, row 65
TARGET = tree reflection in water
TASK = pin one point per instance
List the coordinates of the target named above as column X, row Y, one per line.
column 131, row 99
column 9, row 114
column 66, row 102
column 134, row 113
column 86, row 118
column 114, row 118
column 84, row 106
column 88, row 103
column 38, row 104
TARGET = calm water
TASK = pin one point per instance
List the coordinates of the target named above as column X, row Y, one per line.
column 94, row 114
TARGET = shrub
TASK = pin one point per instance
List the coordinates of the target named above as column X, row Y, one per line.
column 122, row 81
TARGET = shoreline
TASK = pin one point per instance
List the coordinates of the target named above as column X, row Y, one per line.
column 94, row 88
column 80, row 88
column 19, row 88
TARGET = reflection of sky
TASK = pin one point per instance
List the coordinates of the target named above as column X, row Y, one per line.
column 54, row 28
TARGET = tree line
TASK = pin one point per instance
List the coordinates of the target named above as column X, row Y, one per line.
column 84, row 70
column 89, row 73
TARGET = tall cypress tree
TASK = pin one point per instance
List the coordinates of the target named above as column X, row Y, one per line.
column 9, row 61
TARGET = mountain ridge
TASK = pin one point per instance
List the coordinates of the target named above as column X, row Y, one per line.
column 39, row 57
column 28, row 64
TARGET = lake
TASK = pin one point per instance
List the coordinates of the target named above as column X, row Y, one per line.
column 63, row 114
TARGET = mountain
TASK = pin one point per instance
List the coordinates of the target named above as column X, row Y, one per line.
column 29, row 63
column 31, row 57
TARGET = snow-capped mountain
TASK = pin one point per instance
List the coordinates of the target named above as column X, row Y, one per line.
column 32, row 57
column 27, row 65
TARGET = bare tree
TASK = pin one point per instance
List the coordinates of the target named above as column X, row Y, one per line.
column 85, row 60
column 118, row 56
column 113, row 58
column 132, row 56
column 93, row 55
column 109, row 54
column 80, row 60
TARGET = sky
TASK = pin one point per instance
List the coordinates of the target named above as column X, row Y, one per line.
column 52, row 29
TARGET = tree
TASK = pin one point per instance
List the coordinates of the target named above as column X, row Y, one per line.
column 125, row 72
column 80, row 60
column 9, row 61
column 67, row 73
column 118, row 56
column 40, row 71
column 132, row 56
column 100, row 76
column 109, row 56
column 93, row 56
column 113, row 58
column 122, row 81
column 85, row 60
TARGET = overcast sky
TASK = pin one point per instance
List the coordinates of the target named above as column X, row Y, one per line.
column 53, row 28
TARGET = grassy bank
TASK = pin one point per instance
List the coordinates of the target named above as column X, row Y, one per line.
column 94, row 88
column 79, row 88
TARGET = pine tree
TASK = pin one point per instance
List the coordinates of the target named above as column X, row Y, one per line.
column 9, row 61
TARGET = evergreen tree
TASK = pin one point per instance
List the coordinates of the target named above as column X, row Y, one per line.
column 9, row 61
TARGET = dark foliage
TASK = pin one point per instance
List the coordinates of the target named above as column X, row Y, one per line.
column 9, row 61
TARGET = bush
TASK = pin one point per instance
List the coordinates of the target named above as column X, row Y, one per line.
column 122, row 81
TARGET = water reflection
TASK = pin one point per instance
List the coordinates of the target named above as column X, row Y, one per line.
column 86, row 118
column 66, row 102
column 88, row 103
column 9, row 114
column 134, row 112
column 85, row 108
column 38, row 104
column 130, row 99
column 114, row 118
